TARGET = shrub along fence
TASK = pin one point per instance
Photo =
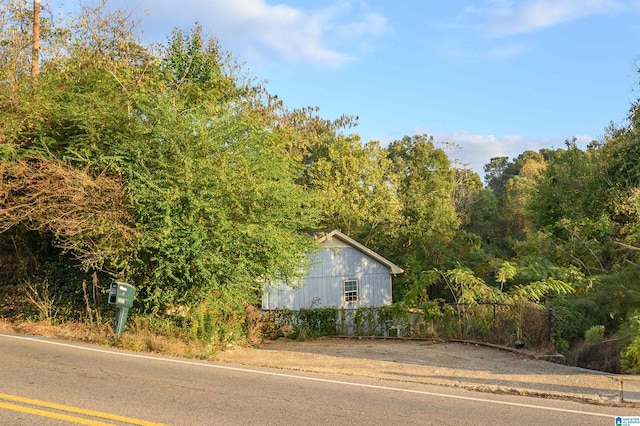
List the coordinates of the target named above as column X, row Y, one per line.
column 504, row 324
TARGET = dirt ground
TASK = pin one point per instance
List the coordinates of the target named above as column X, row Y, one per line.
column 469, row 366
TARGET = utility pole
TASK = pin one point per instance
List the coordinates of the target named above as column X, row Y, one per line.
column 36, row 38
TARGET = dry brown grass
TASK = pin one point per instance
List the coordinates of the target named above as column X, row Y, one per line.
column 73, row 330
column 138, row 337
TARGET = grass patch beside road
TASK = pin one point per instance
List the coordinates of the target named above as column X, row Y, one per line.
column 140, row 337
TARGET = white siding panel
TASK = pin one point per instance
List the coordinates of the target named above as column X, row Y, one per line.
column 323, row 287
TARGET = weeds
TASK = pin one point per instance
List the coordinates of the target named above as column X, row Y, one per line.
column 492, row 323
column 95, row 310
column 38, row 296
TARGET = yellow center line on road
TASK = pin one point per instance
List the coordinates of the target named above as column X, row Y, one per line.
column 53, row 415
column 68, row 409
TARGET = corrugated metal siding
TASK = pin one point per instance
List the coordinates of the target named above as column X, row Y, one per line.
column 323, row 287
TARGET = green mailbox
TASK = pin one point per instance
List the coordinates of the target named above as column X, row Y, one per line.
column 121, row 295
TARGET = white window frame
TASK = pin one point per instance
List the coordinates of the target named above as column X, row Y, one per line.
column 351, row 296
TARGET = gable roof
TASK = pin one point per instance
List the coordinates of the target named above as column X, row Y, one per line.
column 393, row 268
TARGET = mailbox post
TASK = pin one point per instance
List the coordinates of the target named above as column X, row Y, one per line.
column 121, row 295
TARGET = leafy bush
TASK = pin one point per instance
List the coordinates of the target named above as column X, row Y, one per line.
column 314, row 322
column 594, row 334
column 365, row 321
column 630, row 357
column 573, row 315
column 495, row 323
column 277, row 323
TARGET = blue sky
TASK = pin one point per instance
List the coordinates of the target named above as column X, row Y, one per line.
column 495, row 77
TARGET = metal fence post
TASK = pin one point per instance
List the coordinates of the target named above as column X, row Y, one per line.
column 549, row 325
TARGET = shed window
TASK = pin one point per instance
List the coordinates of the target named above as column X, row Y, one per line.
column 351, row 290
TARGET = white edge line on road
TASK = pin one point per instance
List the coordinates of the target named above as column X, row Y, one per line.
column 38, row 339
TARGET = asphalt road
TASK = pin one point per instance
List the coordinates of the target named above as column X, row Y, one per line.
column 53, row 382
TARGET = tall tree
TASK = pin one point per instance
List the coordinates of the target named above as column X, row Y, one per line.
column 495, row 174
column 425, row 188
column 203, row 189
column 517, row 195
column 356, row 190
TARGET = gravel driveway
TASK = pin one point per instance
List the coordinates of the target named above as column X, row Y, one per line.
column 468, row 366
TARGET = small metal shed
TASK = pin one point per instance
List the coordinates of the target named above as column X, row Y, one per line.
column 343, row 273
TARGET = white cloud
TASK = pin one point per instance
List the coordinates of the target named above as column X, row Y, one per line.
column 264, row 30
column 506, row 17
column 457, row 49
column 260, row 31
column 474, row 151
column 477, row 150
column 484, row 31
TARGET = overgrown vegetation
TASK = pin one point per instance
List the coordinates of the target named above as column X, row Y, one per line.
column 496, row 323
column 171, row 168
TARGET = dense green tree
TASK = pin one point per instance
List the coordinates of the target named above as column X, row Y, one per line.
column 621, row 152
column 476, row 208
column 500, row 170
column 569, row 187
column 622, row 149
column 467, row 186
column 495, row 174
column 356, row 190
column 570, row 201
column 204, row 190
column 517, row 196
column 425, row 188
column 482, row 216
